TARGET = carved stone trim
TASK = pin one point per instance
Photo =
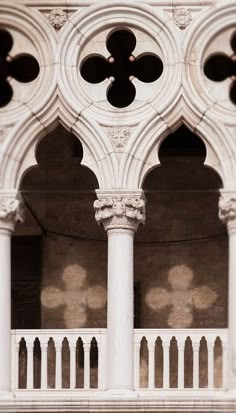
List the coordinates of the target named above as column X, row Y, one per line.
column 227, row 209
column 57, row 18
column 11, row 211
column 120, row 212
column 119, row 136
column 182, row 17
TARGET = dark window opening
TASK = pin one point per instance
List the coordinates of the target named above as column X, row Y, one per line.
column 121, row 67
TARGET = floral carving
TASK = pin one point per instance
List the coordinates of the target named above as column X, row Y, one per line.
column 227, row 208
column 11, row 211
column 57, row 18
column 120, row 212
column 182, row 17
column 119, row 136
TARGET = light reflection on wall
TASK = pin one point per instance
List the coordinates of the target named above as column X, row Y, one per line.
column 180, row 298
column 75, row 297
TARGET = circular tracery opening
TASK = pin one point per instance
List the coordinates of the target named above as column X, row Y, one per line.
column 219, row 66
column 121, row 68
column 24, row 67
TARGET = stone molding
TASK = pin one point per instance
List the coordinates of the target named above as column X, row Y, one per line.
column 227, row 209
column 11, row 211
column 120, row 211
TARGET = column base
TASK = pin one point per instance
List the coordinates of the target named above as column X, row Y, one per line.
column 121, row 392
column 6, row 394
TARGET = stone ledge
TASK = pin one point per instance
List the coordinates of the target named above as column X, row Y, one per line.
column 94, row 401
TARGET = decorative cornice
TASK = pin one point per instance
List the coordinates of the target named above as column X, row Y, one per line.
column 120, row 211
column 11, row 211
column 227, row 209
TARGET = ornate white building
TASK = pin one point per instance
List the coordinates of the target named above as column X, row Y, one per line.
column 142, row 94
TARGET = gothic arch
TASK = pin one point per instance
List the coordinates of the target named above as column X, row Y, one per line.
column 19, row 147
column 142, row 153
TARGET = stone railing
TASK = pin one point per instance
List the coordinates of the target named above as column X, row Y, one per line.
column 180, row 358
column 56, row 359
column 171, row 359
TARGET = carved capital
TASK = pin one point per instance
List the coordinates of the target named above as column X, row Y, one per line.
column 227, row 209
column 11, row 211
column 120, row 211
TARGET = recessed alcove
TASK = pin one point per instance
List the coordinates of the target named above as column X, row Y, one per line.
column 181, row 254
column 59, row 252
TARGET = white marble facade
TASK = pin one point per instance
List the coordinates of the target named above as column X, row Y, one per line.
column 120, row 145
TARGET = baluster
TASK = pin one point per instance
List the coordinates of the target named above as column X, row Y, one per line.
column 72, row 345
column 87, row 365
column 151, row 365
column 44, row 364
column 196, row 348
column 137, row 365
column 181, row 345
column 58, row 347
column 102, row 357
column 210, row 348
column 166, row 364
column 224, row 364
column 30, row 364
column 15, row 366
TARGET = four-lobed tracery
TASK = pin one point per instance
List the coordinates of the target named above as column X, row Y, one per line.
column 23, row 67
column 121, row 68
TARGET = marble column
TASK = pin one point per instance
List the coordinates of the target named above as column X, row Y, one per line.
column 11, row 212
column 120, row 213
column 227, row 213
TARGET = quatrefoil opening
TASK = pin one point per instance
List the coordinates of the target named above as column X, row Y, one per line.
column 121, row 68
column 220, row 66
column 24, row 67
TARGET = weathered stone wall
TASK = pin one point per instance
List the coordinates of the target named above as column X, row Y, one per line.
column 73, row 292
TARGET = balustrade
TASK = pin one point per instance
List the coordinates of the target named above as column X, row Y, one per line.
column 82, row 343
column 181, row 336
column 24, row 358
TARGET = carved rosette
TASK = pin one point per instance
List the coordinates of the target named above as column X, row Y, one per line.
column 227, row 210
column 182, row 17
column 120, row 212
column 11, row 212
column 57, row 18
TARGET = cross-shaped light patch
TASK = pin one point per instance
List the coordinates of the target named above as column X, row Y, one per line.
column 121, row 68
column 220, row 66
column 76, row 298
column 24, row 67
column 181, row 298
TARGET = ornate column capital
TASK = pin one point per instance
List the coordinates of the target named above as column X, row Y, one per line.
column 11, row 210
column 227, row 209
column 120, row 209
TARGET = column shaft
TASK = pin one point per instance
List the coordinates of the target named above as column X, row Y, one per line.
column 5, row 313
column 120, row 309
column 232, row 310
